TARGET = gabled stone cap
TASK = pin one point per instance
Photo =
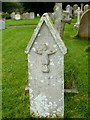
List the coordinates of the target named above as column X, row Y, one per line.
column 45, row 18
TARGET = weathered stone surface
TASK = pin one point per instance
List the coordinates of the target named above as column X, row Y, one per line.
column 69, row 9
column 75, row 7
column 2, row 24
column 60, row 18
column 84, row 27
column 79, row 13
column 86, row 7
column 45, row 72
column 32, row 15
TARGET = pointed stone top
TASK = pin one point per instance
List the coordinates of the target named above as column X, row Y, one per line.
column 45, row 19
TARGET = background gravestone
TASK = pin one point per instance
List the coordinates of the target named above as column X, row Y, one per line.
column 17, row 16
column 86, row 7
column 69, row 9
column 84, row 27
column 46, row 73
column 13, row 15
column 32, row 15
column 75, row 7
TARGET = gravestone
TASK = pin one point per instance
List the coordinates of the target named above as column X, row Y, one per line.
column 86, row 7
column 27, row 15
column 79, row 13
column 24, row 16
column 13, row 15
column 75, row 7
column 69, row 9
column 38, row 15
column 84, row 27
column 32, row 15
column 2, row 24
column 60, row 18
column 17, row 16
column 45, row 72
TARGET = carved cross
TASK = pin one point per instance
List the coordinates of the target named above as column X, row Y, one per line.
column 45, row 57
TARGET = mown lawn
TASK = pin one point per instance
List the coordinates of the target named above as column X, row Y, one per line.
column 15, row 66
column 12, row 22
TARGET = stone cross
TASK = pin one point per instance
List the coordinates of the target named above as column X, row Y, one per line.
column 46, row 71
column 60, row 18
column 78, row 11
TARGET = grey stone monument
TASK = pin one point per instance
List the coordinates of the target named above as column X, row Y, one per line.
column 84, row 27
column 86, row 7
column 69, row 9
column 46, row 71
column 60, row 18
column 79, row 12
column 75, row 7
column 32, row 15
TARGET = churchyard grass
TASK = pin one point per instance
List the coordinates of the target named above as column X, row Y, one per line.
column 12, row 22
column 15, row 66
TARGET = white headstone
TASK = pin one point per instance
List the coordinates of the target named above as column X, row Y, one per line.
column 13, row 15
column 2, row 24
column 17, row 16
column 46, row 71
column 32, row 15
column 38, row 15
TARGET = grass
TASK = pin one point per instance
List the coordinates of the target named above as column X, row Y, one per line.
column 15, row 66
column 12, row 22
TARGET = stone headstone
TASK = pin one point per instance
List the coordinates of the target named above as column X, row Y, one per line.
column 38, row 15
column 75, row 7
column 45, row 72
column 24, row 16
column 86, row 7
column 60, row 18
column 32, row 15
column 84, row 27
column 27, row 15
column 79, row 13
column 17, row 16
column 13, row 15
column 69, row 9
column 2, row 24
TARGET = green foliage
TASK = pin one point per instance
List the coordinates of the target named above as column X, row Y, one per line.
column 6, row 16
column 15, row 66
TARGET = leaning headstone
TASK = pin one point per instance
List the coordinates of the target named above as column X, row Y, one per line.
column 86, row 7
column 13, row 15
column 2, row 24
column 32, row 15
column 45, row 72
column 84, row 27
column 17, row 16
column 79, row 13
